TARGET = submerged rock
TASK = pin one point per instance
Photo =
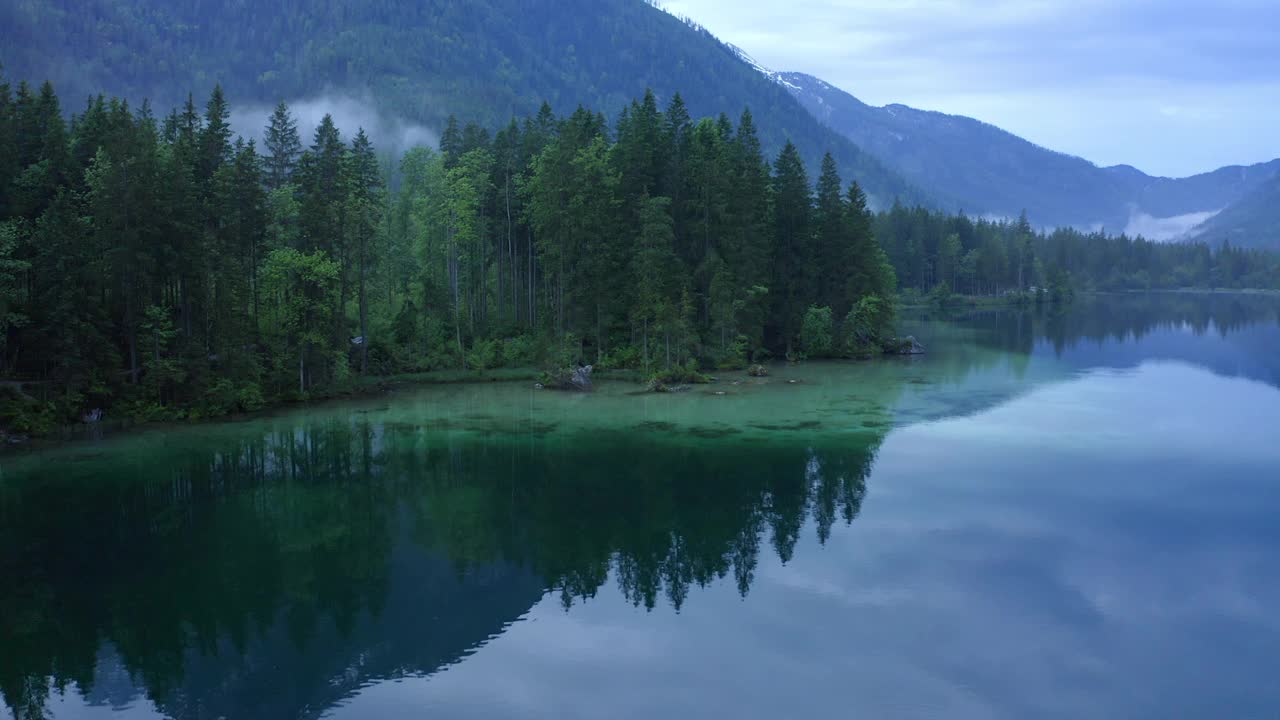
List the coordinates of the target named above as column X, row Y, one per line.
column 659, row 386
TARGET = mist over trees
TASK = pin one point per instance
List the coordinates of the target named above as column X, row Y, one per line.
column 417, row 60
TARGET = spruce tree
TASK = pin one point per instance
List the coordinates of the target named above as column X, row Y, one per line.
column 283, row 146
column 794, row 266
column 833, row 246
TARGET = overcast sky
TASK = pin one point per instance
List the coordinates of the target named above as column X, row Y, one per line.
column 1173, row 87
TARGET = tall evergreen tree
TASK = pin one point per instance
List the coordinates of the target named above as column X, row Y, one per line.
column 748, row 242
column 363, row 215
column 794, row 264
column 283, row 146
column 832, row 242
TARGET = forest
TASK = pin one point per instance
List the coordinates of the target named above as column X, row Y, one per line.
column 156, row 267
column 932, row 250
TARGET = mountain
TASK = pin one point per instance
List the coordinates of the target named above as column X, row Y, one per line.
column 971, row 165
column 1253, row 221
column 416, row 60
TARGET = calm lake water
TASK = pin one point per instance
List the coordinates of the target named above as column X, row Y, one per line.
column 1050, row 515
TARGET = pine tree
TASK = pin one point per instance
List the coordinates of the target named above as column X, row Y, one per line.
column 321, row 189
column 794, row 267
column 283, row 146
column 656, row 271
column 215, row 138
column 451, row 145
column 747, row 242
column 871, row 272
column 834, row 246
column 364, row 200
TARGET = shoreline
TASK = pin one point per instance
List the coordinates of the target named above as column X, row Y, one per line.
column 356, row 389
column 373, row 386
column 979, row 301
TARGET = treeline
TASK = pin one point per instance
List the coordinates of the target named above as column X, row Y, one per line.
column 930, row 249
column 159, row 265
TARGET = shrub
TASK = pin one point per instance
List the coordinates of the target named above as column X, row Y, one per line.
column 518, row 351
column 868, row 326
column 815, row 332
column 225, row 396
column 440, row 349
column 686, row 374
column 940, row 296
column 622, row 358
column 144, row 411
column 484, row 355
column 22, row 414
column 563, row 352
column 735, row 356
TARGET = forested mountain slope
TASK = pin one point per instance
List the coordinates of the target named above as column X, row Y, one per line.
column 985, row 170
column 1254, row 221
column 423, row 60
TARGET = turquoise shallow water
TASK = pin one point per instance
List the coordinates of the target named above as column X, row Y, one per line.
column 1049, row 515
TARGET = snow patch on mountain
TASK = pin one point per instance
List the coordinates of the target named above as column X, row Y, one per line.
column 745, row 57
column 778, row 77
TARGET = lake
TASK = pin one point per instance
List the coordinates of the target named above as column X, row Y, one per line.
column 1052, row 514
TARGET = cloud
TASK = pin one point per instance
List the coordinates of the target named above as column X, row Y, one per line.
column 1164, row 229
column 1088, row 77
column 350, row 114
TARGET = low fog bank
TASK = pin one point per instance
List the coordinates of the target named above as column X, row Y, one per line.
column 350, row 113
column 1165, row 229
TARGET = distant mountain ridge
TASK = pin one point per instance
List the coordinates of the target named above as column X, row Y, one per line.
column 486, row 60
column 967, row 164
column 1253, row 221
column 985, row 170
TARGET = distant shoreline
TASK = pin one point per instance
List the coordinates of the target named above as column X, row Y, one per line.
column 976, row 301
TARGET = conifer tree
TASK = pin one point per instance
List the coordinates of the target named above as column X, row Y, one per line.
column 794, row 267
column 283, row 147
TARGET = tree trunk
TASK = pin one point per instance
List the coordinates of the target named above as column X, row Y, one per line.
column 533, row 314
column 364, row 311
column 646, row 345
column 131, row 323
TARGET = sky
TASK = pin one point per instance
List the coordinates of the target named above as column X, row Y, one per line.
column 1172, row 87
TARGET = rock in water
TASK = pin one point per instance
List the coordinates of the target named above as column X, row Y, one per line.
column 758, row 371
column 581, row 378
column 908, row 346
column 568, row 379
